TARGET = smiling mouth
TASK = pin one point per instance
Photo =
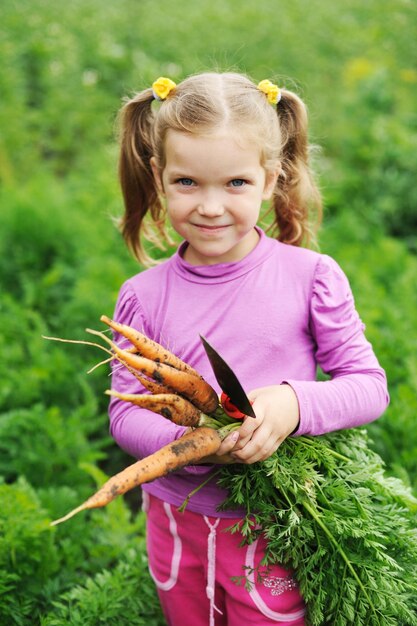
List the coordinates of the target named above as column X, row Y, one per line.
column 211, row 226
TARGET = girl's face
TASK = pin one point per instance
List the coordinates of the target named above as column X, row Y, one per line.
column 214, row 187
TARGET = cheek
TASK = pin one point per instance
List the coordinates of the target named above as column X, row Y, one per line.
column 176, row 210
column 179, row 203
column 251, row 206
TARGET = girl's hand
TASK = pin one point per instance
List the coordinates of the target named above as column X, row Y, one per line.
column 223, row 455
column 277, row 416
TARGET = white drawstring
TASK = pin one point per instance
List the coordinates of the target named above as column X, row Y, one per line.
column 211, row 567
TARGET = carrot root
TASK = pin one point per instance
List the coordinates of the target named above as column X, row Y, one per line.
column 68, row 516
column 179, row 393
column 80, row 341
column 187, row 450
column 148, row 347
column 149, row 384
column 117, row 353
column 194, row 388
column 170, row 405
column 197, row 390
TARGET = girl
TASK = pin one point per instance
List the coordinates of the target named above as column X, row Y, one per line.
column 207, row 155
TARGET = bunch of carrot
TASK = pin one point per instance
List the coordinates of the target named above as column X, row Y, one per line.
column 324, row 503
column 177, row 392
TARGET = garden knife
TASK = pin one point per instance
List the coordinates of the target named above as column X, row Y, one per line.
column 233, row 398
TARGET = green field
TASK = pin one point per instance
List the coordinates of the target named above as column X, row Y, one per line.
column 65, row 70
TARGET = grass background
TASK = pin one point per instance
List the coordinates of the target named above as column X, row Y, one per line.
column 65, row 70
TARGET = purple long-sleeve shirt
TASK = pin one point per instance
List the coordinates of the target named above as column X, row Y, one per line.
column 275, row 316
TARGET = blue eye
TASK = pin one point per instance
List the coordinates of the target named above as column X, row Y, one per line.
column 237, row 182
column 186, row 182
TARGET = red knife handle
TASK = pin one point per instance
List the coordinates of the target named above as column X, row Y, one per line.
column 230, row 408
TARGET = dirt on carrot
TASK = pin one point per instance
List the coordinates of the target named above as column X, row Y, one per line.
column 148, row 348
column 170, row 405
column 197, row 390
column 189, row 449
column 167, row 377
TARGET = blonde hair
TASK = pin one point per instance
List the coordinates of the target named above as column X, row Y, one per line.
column 200, row 105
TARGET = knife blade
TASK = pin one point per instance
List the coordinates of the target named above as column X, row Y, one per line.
column 233, row 392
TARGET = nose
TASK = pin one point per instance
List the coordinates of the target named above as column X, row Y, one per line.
column 210, row 205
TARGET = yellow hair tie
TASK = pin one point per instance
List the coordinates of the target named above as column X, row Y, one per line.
column 162, row 87
column 272, row 92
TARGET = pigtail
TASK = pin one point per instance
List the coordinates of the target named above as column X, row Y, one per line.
column 138, row 185
column 296, row 199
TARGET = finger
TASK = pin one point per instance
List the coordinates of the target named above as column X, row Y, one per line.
column 246, row 434
column 241, row 443
column 249, row 425
column 228, row 443
column 249, row 456
column 259, row 448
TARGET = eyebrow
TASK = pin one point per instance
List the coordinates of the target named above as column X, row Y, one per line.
column 187, row 174
column 179, row 174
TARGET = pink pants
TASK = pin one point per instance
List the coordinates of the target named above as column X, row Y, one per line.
column 192, row 560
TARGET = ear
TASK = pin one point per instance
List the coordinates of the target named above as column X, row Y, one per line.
column 157, row 175
column 271, row 178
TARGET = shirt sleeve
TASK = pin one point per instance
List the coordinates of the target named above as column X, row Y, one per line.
column 357, row 390
column 137, row 431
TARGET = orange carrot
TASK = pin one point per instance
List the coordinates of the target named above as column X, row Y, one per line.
column 149, row 348
column 189, row 449
column 150, row 385
column 173, row 407
column 197, row 390
column 194, row 388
